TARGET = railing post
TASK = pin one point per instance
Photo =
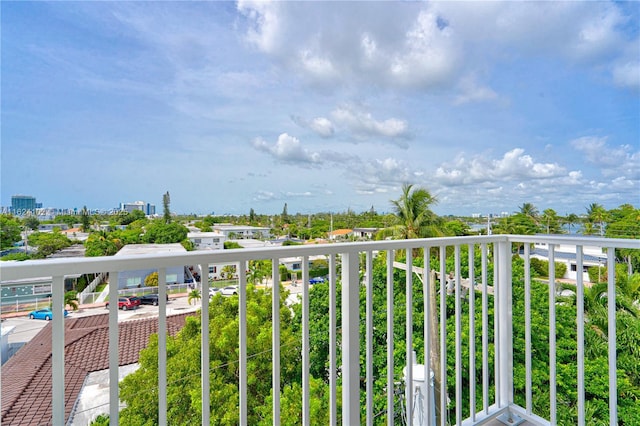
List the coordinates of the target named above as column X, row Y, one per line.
column 505, row 323
column 57, row 335
column 162, row 349
column 350, row 339
column 114, row 363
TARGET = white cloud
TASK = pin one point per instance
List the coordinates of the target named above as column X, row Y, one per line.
column 627, row 75
column 514, row 165
column 612, row 161
column 361, row 125
column 429, row 57
column 429, row 45
column 378, row 175
column 320, row 125
column 287, row 149
column 470, row 91
column 265, row 23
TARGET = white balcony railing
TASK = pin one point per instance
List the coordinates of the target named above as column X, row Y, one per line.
column 354, row 261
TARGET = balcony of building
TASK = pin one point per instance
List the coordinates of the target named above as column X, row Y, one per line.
column 484, row 348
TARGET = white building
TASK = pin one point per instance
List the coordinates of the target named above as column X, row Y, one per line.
column 135, row 278
column 207, row 240
column 566, row 253
column 242, row 232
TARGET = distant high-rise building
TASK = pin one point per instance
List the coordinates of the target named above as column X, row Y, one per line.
column 147, row 208
column 24, row 204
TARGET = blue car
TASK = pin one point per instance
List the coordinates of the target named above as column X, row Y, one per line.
column 45, row 314
column 316, row 280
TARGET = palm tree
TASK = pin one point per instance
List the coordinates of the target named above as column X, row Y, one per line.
column 529, row 210
column 571, row 219
column 596, row 215
column 416, row 220
column 71, row 300
column 194, row 295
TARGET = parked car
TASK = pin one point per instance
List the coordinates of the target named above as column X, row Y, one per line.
column 151, row 299
column 45, row 314
column 125, row 303
column 316, row 280
column 135, row 300
column 213, row 291
column 229, row 291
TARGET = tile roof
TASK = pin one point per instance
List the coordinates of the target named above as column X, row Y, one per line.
column 27, row 376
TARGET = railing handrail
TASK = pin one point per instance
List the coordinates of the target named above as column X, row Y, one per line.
column 69, row 266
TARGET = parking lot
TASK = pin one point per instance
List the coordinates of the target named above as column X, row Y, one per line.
column 24, row 329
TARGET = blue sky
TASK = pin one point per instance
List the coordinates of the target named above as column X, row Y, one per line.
column 324, row 106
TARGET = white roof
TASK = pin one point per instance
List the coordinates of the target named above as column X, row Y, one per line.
column 196, row 234
column 136, row 249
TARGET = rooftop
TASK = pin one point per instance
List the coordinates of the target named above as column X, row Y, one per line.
column 27, row 376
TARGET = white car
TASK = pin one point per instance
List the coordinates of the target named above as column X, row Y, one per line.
column 229, row 291
column 213, row 291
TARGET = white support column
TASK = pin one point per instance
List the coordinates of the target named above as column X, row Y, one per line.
column 57, row 349
column 611, row 307
column 527, row 328
column 552, row 336
column 409, row 361
column 204, row 344
column 390, row 306
column 350, row 339
column 443, row 336
column 242, row 339
column 485, row 331
column 275, row 339
column 114, row 363
column 580, row 331
column 306, row 416
column 369, row 336
column 458, row 328
column 505, row 326
column 333, row 365
column 472, row 332
column 162, row 348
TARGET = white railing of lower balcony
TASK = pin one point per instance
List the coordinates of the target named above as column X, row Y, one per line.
column 490, row 339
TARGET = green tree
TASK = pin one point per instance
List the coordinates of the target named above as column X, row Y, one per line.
column 166, row 201
column 551, row 222
column 415, row 218
column 285, row 215
column 9, row 231
column 71, row 300
column 31, row 222
column 164, row 233
column 571, row 219
column 183, row 366
column 48, row 242
column 529, row 210
column 596, row 218
column 85, row 219
column 151, row 280
column 102, row 243
column 132, row 217
column 194, row 296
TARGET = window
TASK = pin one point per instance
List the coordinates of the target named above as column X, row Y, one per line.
column 134, row 282
column 574, row 267
column 197, row 240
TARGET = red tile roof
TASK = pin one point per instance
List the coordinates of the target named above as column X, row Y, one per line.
column 27, row 379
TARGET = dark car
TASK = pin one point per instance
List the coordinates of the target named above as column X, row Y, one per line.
column 151, row 299
column 135, row 300
column 125, row 303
